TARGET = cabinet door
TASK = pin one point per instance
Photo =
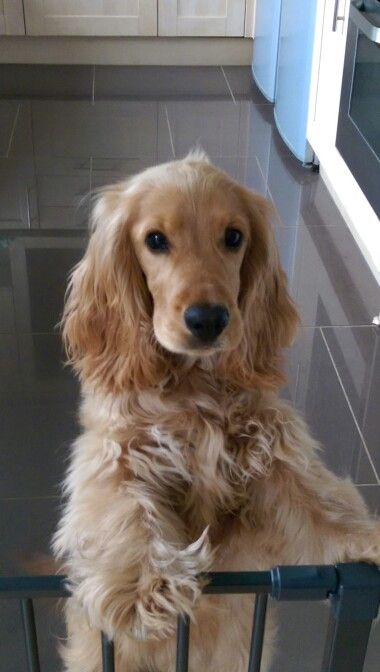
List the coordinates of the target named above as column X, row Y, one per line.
column 91, row 17
column 328, row 59
column 11, row 17
column 216, row 18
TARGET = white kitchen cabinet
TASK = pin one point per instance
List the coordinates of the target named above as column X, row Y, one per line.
column 192, row 18
column 328, row 61
column 91, row 17
column 214, row 18
column 11, row 17
column 326, row 85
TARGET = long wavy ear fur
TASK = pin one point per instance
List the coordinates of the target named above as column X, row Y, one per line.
column 107, row 319
column 269, row 314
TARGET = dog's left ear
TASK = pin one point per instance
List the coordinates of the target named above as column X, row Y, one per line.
column 269, row 315
column 107, row 320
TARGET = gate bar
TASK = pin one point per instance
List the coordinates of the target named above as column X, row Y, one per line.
column 183, row 632
column 353, row 608
column 108, row 654
column 346, row 645
column 34, row 586
column 238, row 582
column 257, row 639
column 30, row 634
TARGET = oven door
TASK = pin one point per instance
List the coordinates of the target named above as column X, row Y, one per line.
column 358, row 134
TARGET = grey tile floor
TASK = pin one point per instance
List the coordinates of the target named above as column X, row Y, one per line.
column 64, row 131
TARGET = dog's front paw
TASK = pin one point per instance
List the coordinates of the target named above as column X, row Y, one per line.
column 145, row 601
column 171, row 586
column 365, row 547
column 158, row 606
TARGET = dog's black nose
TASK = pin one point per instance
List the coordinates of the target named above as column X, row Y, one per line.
column 206, row 320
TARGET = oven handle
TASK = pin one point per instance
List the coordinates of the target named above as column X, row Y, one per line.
column 336, row 18
column 369, row 29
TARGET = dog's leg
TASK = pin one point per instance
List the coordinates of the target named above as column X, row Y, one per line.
column 81, row 651
column 130, row 562
column 306, row 514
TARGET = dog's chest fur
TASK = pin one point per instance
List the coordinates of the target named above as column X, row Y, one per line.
column 198, row 450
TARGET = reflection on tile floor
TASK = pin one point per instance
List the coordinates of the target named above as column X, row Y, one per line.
column 65, row 131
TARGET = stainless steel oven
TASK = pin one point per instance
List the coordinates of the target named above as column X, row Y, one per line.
column 358, row 134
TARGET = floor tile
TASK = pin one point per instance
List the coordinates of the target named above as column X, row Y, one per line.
column 342, row 265
column 290, row 186
column 9, row 111
column 50, row 631
column 301, row 638
column 371, row 494
column 46, row 81
column 26, row 528
column 44, row 377
column 241, row 82
column 251, row 175
column 356, row 353
column 315, row 390
column 256, row 134
column 18, row 197
column 327, row 274
column 79, row 147
column 242, row 170
column 35, row 447
column 10, row 375
column 212, row 125
column 108, row 129
column 7, row 321
column 63, row 200
column 159, row 82
column 20, row 141
column 40, row 270
column 109, row 171
column 301, row 635
column 32, row 370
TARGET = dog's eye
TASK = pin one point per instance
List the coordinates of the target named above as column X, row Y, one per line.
column 157, row 242
column 232, row 238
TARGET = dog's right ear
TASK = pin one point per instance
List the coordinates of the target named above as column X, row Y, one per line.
column 107, row 319
column 269, row 314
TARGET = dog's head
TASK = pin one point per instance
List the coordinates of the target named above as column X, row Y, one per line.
column 181, row 263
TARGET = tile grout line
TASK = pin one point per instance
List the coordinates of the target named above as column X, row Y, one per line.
column 339, row 326
column 261, row 173
column 170, row 130
column 93, row 86
column 228, row 85
column 350, row 407
column 91, row 171
column 13, row 130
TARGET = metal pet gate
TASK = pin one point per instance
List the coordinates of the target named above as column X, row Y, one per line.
column 352, row 589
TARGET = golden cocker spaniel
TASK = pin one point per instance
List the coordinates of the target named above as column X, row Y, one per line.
column 188, row 461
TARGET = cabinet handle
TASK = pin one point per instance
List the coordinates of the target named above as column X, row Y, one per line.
column 336, row 18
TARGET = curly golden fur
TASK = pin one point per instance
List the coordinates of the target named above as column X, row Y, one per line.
column 188, row 460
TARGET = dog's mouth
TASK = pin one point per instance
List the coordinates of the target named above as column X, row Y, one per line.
column 205, row 346
column 192, row 347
